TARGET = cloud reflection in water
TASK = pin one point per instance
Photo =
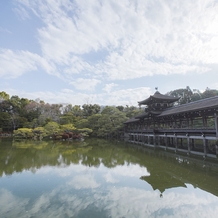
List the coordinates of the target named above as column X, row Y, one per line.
column 103, row 192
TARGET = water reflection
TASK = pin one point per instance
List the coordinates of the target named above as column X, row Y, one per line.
column 98, row 178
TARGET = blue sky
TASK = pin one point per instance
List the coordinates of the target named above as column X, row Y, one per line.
column 106, row 52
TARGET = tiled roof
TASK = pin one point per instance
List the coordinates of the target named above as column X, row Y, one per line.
column 132, row 120
column 193, row 106
column 159, row 96
column 207, row 103
column 142, row 115
column 145, row 114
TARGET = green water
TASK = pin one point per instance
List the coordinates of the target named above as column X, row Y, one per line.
column 99, row 178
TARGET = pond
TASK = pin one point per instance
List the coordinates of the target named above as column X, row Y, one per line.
column 100, row 178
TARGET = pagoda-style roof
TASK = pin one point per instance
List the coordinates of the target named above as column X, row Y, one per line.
column 158, row 98
column 166, row 182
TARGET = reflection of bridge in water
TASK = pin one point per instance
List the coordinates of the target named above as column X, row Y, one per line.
column 169, row 170
column 191, row 128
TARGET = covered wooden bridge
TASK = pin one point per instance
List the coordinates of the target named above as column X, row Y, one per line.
column 190, row 128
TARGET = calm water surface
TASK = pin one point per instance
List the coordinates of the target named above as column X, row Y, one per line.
column 98, row 178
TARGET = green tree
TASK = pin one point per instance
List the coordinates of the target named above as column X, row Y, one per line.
column 77, row 111
column 4, row 96
column 39, row 132
column 85, row 131
column 93, row 123
column 33, row 112
column 197, row 95
column 185, row 95
column 67, row 127
column 83, row 123
column 111, row 122
column 7, row 107
column 52, row 128
column 120, row 108
column 208, row 93
column 23, row 133
column 132, row 111
column 67, row 118
column 5, row 121
column 90, row 109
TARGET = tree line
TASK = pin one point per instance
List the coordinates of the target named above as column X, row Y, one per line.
column 35, row 118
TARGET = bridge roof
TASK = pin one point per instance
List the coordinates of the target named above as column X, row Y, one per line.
column 204, row 104
column 132, row 120
column 146, row 114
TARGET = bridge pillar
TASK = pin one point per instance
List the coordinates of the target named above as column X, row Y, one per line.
column 176, row 142
column 154, row 140
column 158, row 140
column 216, row 124
column 216, row 146
column 205, row 141
column 166, row 141
column 188, row 143
column 181, row 142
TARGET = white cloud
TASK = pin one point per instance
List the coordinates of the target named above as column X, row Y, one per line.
column 22, row 12
column 132, row 202
column 109, row 178
column 83, row 182
column 142, row 38
column 10, row 204
column 92, row 43
column 109, row 87
column 125, row 96
column 81, row 192
column 4, row 30
column 117, row 97
column 14, row 64
column 214, row 86
column 113, row 202
column 85, row 84
column 125, row 171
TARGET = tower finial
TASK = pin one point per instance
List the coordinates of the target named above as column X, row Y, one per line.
column 156, row 88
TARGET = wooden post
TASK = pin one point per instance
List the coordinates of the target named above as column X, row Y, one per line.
column 216, row 146
column 216, row 124
column 166, row 141
column 191, row 123
column 158, row 139
column 187, row 122
column 188, row 143
column 154, row 140
column 204, row 121
column 181, row 142
column 176, row 142
column 192, row 143
column 205, row 141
